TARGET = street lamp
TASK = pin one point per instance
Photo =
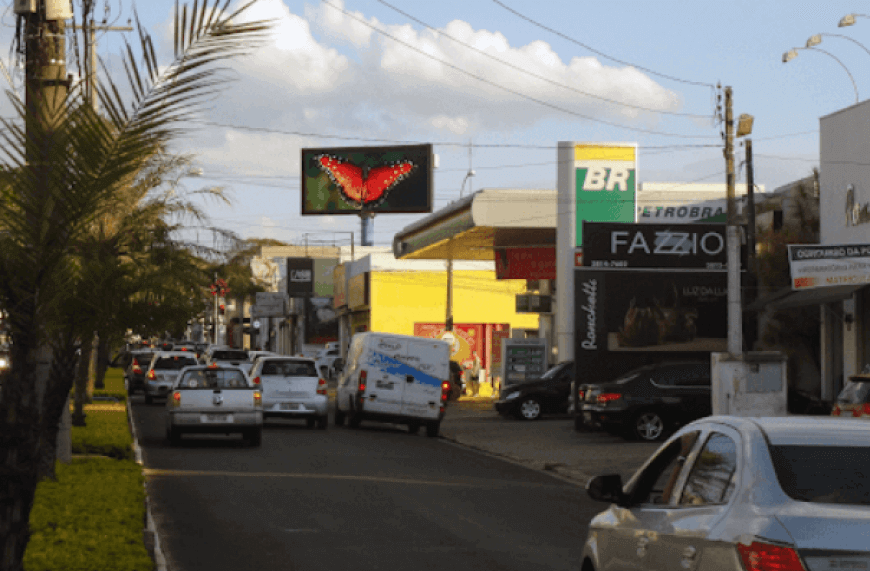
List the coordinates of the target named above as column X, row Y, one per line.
column 793, row 53
column 849, row 20
column 817, row 39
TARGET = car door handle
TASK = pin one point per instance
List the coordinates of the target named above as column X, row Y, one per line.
column 409, row 378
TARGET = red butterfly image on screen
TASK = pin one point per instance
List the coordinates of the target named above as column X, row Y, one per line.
column 364, row 187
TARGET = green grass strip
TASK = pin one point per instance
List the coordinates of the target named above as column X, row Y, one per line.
column 106, row 434
column 90, row 519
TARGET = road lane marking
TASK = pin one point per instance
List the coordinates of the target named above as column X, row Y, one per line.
column 486, row 484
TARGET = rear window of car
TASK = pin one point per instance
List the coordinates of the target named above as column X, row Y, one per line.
column 289, row 368
column 854, row 393
column 213, row 379
column 175, row 363
column 823, row 474
column 230, row 356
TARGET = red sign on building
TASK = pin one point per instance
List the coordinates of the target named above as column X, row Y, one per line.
column 528, row 263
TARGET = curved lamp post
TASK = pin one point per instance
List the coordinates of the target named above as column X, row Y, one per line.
column 849, row 19
column 817, row 39
column 793, row 53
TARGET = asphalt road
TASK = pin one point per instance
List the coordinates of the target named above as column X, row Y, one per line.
column 370, row 498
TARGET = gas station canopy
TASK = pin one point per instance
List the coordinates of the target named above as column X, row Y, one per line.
column 473, row 227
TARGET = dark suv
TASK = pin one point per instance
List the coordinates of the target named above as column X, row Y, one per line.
column 135, row 364
column 648, row 401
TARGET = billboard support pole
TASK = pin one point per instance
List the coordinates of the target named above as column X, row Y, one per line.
column 367, row 228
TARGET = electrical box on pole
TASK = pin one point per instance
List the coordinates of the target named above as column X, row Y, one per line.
column 58, row 9
column 25, row 6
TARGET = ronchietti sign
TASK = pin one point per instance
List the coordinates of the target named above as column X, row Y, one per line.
column 669, row 246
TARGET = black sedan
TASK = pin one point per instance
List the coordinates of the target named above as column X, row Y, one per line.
column 547, row 395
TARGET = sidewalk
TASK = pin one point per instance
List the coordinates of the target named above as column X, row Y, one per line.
column 550, row 443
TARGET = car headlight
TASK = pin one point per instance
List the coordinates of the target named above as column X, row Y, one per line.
column 512, row 395
column 3, row 363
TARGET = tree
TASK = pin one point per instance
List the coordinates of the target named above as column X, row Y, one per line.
column 86, row 162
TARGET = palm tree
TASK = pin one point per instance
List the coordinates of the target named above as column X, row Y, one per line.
column 82, row 164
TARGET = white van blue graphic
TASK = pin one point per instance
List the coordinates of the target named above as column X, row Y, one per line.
column 391, row 366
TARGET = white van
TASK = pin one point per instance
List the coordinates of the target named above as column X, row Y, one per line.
column 394, row 378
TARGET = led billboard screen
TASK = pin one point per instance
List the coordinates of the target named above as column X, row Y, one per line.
column 348, row 180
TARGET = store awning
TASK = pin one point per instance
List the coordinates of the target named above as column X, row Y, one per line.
column 787, row 298
column 472, row 227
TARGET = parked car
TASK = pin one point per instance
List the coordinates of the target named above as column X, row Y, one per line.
column 214, row 399
column 135, row 367
column 854, row 399
column 740, row 494
column 546, row 395
column 647, row 402
column 163, row 372
column 292, row 389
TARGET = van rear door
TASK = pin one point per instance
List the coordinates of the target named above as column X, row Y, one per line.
column 427, row 366
column 384, row 382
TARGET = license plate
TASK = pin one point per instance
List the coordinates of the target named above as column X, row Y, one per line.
column 217, row 418
column 289, row 406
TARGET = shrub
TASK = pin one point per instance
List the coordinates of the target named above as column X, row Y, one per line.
column 106, row 433
column 75, row 528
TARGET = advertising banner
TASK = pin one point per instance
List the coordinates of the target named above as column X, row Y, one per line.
column 531, row 263
column 619, row 246
column 814, row 266
column 300, row 277
column 348, row 180
column 605, row 185
column 269, row 304
column 465, row 338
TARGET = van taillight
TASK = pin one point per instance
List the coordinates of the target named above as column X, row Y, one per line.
column 767, row 557
column 445, row 390
column 361, row 384
column 151, row 375
column 256, row 381
column 321, row 387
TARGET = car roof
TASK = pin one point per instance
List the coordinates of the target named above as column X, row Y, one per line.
column 175, row 354
column 285, row 358
column 797, row 430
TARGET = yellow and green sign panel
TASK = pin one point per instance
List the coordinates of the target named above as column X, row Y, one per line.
column 605, row 185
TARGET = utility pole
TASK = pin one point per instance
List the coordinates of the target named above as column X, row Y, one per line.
column 735, row 333
column 91, row 54
column 752, row 277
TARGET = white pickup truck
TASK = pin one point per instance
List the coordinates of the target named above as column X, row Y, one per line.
column 214, row 399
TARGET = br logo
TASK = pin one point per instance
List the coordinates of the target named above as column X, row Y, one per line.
column 604, row 178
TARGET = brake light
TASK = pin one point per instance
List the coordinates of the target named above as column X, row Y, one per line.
column 256, row 380
column 866, row 409
column 857, row 412
column 151, row 375
column 321, row 386
column 445, row 390
column 136, row 368
column 361, row 384
column 766, row 557
column 836, row 410
column 581, row 394
column 258, row 399
column 176, row 399
column 213, row 366
column 607, row 397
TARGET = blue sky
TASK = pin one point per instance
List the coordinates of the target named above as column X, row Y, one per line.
column 328, row 74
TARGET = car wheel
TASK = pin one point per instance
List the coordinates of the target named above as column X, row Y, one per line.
column 310, row 422
column 148, row 398
column 322, row 422
column 255, row 437
column 648, row 426
column 433, row 428
column 529, row 409
column 173, row 435
column 413, row 427
column 339, row 417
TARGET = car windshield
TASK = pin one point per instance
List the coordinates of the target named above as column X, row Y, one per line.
column 239, row 355
column 631, row 375
column 823, row 474
column 854, row 393
column 174, row 363
column 213, row 379
column 289, row 368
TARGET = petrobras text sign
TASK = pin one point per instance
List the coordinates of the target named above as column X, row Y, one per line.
column 605, row 184
column 814, row 266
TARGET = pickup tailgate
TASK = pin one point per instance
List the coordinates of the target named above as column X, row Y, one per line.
column 280, row 387
column 216, row 400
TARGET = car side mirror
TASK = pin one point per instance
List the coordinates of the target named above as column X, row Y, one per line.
column 607, row 488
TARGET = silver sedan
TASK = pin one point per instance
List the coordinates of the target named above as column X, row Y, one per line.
column 740, row 494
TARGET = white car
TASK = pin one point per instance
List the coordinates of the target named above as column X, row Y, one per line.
column 292, row 389
column 163, row 372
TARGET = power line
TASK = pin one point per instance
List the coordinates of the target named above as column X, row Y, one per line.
column 602, row 54
column 541, row 77
column 507, row 89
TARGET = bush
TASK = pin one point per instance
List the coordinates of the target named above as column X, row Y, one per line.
column 75, row 528
column 106, row 434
